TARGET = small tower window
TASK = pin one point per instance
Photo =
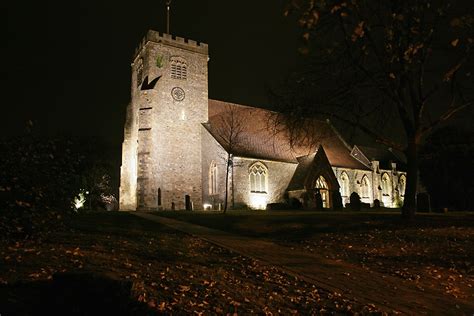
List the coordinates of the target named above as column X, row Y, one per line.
column 258, row 175
column 213, row 178
column 179, row 68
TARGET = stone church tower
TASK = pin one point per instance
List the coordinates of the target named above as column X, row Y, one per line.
column 161, row 153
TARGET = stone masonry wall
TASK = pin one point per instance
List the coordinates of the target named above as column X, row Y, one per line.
column 213, row 151
column 279, row 176
column 375, row 180
column 169, row 129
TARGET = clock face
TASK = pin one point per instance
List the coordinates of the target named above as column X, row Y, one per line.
column 177, row 93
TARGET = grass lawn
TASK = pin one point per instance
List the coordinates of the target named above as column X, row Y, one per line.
column 170, row 272
column 432, row 251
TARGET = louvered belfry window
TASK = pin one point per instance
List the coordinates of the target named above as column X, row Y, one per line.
column 179, row 68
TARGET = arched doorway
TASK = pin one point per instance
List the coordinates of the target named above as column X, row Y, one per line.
column 321, row 185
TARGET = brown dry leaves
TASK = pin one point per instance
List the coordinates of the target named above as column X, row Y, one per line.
column 438, row 258
column 173, row 273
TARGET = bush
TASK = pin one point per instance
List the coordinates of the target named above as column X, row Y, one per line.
column 295, row 204
column 38, row 180
column 355, row 201
column 337, row 200
column 239, row 206
column 376, row 203
column 277, row 206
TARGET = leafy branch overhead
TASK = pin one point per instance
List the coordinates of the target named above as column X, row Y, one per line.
column 393, row 70
column 407, row 51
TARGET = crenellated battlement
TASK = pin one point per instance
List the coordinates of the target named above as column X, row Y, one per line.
column 176, row 41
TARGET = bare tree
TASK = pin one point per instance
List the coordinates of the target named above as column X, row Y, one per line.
column 394, row 70
column 229, row 129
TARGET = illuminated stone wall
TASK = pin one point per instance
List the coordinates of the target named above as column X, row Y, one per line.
column 128, row 170
column 167, row 148
column 279, row 176
column 213, row 151
column 166, row 128
column 396, row 193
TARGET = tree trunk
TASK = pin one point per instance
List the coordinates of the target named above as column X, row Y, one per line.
column 409, row 203
column 227, row 182
column 232, row 199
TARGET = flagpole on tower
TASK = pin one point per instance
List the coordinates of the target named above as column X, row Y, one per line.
column 168, row 3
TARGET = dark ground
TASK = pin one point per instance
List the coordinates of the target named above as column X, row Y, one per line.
column 119, row 262
column 116, row 262
column 432, row 251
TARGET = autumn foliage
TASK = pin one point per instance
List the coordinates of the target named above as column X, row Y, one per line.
column 391, row 70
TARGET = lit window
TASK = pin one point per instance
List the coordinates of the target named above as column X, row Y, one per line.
column 322, row 186
column 321, row 183
column 386, row 185
column 365, row 187
column 213, row 178
column 402, row 182
column 179, row 68
column 344, row 184
column 258, row 175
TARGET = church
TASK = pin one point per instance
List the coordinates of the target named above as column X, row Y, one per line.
column 178, row 145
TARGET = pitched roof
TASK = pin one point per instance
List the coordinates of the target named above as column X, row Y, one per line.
column 257, row 139
column 384, row 156
column 301, row 172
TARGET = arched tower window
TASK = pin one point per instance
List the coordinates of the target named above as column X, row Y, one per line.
column 179, row 68
column 386, row 185
column 322, row 185
column 344, row 183
column 139, row 71
column 258, row 176
column 213, row 178
column 402, row 182
column 365, row 187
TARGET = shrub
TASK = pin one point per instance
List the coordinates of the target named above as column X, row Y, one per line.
column 337, row 200
column 355, row 201
column 376, row 203
column 295, row 204
column 39, row 179
column 277, row 206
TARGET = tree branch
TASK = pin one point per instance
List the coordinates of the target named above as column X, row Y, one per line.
column 444, row 117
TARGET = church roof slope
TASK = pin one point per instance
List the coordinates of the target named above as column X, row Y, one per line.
column 257, row 139
column 384, row 156
column 301, row 172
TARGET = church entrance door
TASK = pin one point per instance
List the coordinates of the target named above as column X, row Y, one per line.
column 322, row 186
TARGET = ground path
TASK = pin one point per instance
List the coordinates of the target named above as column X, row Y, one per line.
column 386, row 292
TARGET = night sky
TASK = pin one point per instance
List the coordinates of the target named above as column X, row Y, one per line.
column 68, row 63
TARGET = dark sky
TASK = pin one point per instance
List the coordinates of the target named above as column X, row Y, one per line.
column 68, row 62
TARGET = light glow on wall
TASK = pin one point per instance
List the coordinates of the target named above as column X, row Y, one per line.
column 207, row 206
column 79, row 200
column 258, row 201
